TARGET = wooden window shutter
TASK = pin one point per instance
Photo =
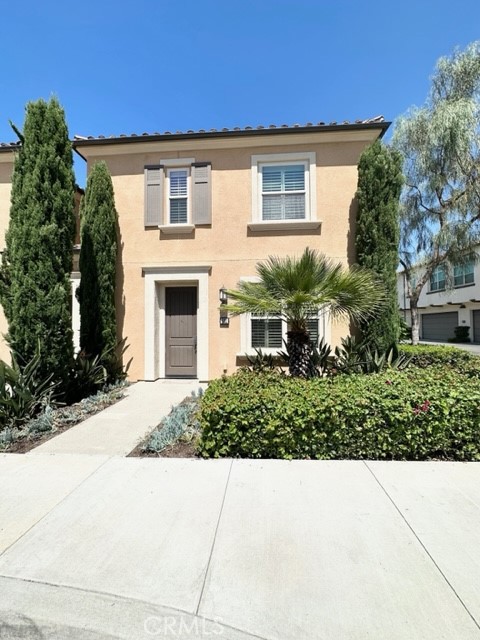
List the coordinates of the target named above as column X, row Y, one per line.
column 154, row 184
column 202, row 193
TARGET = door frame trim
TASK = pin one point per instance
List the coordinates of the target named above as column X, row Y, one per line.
column 163, row 286
column 156, row 279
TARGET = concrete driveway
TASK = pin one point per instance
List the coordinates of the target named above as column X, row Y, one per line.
column 107, row 547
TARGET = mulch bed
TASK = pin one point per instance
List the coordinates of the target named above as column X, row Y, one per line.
column 176, row 450
column 28, row 442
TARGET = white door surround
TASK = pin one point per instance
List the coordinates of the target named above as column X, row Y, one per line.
column 156, row 279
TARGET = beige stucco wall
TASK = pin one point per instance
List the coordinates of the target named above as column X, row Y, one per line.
column 6, row 169
column 227, row 245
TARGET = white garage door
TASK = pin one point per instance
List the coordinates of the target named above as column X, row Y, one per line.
column 439, row 326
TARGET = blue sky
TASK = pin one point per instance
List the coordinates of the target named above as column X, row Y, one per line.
column 124, row 67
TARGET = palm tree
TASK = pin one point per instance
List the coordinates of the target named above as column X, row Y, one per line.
column 297, row 289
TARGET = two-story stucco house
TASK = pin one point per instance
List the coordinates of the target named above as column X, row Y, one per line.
column 198, row 210
column 450, row 299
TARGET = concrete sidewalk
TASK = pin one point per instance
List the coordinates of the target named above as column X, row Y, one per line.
column 119, row 428
column 140, row 548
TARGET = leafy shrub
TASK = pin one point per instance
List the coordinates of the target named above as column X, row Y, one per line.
column 414, row 414
column 423, row 355
column 22, row 391
column 461, row 334
column 181, row 422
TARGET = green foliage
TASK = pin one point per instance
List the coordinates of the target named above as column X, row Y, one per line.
column 320, row 359
column 461, row 334
column 91, row 374
column 181, row 422
column 441, row 146
column 423, row 355
column 296, row 289
column 377, row 235
column 23, row 391
column 415, row 414
column 262, row 361
column 98, row 255
column 58, row 418
column 358, row 356
column 405, row 330
column 35, row 289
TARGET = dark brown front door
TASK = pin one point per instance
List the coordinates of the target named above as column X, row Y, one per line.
column 181, row 331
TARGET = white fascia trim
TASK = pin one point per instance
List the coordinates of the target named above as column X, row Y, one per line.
column 310, row 159
column 156, row 278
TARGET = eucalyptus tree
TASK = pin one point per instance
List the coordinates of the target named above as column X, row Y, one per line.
column 440, row 142
column 35, row 289
column 298, row 289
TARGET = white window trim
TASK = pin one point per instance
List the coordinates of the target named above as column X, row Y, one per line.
column 180, row 228
column 156, row 279
column 324, row 330
column 308, row 158
column 437, row 289
column 463, row 274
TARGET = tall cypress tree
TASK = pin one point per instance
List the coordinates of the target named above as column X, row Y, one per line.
column 35, row 286
column 98, row 255
column 377, row 235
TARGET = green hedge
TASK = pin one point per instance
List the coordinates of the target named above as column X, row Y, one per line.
column 424, row 355
column 416, row 414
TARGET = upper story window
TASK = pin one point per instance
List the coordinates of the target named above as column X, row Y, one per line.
column 178, row 195
column 463, row 274
column 177, row 182
column 284, row 191
column 437, row 279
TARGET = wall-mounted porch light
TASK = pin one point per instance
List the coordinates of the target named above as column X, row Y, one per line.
column 222, row 296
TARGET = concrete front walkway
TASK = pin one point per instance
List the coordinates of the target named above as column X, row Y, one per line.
column 119, row 428
column 108, row 547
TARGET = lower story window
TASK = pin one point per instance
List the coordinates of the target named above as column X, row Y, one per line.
column 270, row 333
column 266, row 333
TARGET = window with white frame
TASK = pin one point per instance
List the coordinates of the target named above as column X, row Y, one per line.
column 463, row 274
column 269, row 333
column 438, row 278
column 177, row 195
column 265, row 332
column 284, row 189
column 283, row 192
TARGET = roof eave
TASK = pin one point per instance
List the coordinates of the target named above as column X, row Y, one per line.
column 88, row 142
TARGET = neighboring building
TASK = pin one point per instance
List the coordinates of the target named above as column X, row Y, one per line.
column 197, row 212
column 7, row 158
column 450, row 299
